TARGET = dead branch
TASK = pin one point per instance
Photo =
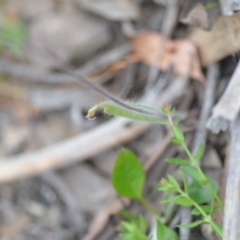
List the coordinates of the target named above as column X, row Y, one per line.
column 201, row 131
column 231, row 230
column 229, row 6
column 228, row 106
column 84, row 146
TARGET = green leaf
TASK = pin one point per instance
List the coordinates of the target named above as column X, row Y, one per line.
column 173, row 111
column 193, row 173
column 178, row 133
column 126, row 226
column 134, row 230
column 168, row 186
column 207, row 209
column 128, row 215
column 176, row 121
column 165, row 233
column 176, row 141
column 200, row 152
column 177, row 161
column 168, row 200
column 173, row 181
column 202, row 193
column 143, row 113
column 185, row 184
column 191, row 225
column 183, row 201
column 218, row 228
column 128, row 175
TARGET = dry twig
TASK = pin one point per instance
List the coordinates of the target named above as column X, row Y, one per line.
column 79, row 148
column 38, row 75
column 228, row 106
column 231, row 230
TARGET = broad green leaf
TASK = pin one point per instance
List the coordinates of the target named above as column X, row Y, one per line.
column 206, row 209
column 128, row 175
column 202, row 193
column 191, row 225
column 183, row 201
column 143, row 113
column 193, row 173
column 165, row 233
column 200, row 152
column 177, row 161
column 178, row 133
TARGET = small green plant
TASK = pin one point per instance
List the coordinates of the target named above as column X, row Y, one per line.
column 197, row 190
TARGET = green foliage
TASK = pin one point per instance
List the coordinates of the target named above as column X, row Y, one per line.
column 193, row 173
column 178, row 133
column 144, row 113
column 128, row 215
column 207, row 209
column 200, row 152
column 176, row 141
column 183, row 201
column 12, row 35
column 128, row 176
column 202, row 193
column 191, row 225
column 165, row 233
column 135, row 230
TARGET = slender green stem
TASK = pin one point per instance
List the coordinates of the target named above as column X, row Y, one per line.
column 211, row 5
column 149, row 207
column 196, row 165
column 184, row 146
column 207, row 218
column 193, row 161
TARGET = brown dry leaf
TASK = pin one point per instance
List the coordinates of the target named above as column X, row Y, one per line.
column 221, row 41
column 181, row 54
column 197, row 17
